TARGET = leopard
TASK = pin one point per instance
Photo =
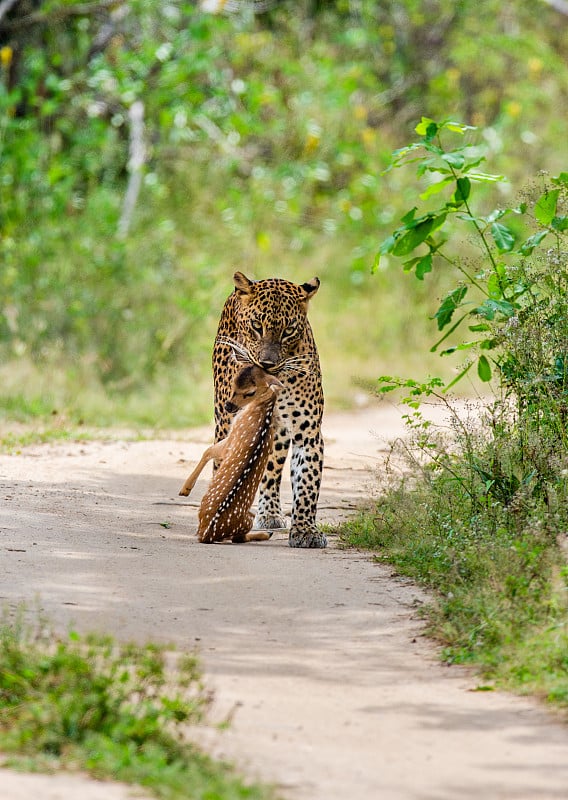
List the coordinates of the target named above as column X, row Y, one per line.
column 224, row 512
column 264, row 322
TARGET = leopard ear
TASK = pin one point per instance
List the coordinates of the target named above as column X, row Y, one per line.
column 243, row 285
column 274, row 383
column 311, row 287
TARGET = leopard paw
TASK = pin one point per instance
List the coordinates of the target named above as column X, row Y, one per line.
column 307, row 538
column 269, row 522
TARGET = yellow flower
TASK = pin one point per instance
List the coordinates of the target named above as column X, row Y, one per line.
column 369, row 137
column 6, row 54
column 535, row 67
column 312, row 142
column 263, row 240
column 513, row 108
column 360, row 112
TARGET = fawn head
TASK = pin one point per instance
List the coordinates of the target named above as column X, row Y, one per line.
column 251, row 384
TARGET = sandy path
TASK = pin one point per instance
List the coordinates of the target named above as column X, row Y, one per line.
column 318, row 655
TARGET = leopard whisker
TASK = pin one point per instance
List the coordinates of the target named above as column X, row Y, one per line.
column 240, row 353
column 292, row 369
column 296, row 364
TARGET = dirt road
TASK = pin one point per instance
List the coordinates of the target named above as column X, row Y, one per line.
column 318, row 656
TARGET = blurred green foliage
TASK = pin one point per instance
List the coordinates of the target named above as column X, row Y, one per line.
column 114, row 710
column 264, row 141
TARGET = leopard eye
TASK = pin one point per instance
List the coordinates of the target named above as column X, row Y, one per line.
column 256, row 325
column 290, row 330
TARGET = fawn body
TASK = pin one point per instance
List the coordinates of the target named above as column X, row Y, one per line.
column 225, row 509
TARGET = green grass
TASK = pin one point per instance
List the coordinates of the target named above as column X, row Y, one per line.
column 118, row 711
column 179, row 394
column 60, row 395
column 499, row 588
column 13, row 441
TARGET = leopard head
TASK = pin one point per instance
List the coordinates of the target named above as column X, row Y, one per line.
column 272, row 318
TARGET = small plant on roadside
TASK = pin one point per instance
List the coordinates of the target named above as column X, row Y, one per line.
column 119, row 711
column 500, row 283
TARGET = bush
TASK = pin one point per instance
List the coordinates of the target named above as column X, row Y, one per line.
column 115, row 710
column 481, row 515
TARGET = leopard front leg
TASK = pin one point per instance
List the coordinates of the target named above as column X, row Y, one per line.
column 269, row 514
column 306, row 475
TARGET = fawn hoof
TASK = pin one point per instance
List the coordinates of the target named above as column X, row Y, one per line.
column 254, row 536
column 307, row 539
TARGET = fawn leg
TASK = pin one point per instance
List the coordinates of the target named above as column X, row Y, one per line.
column 255, row 536
column 216, row 451
column 258, row 536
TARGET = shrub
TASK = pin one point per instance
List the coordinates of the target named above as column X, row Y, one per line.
column 481, row 515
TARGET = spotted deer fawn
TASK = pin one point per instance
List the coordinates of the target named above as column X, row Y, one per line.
column 225, row 509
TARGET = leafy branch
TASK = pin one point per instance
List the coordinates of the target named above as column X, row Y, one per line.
column 454, row 172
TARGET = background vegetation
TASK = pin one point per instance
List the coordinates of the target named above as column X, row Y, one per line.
column 480, row 514
column 147, row 150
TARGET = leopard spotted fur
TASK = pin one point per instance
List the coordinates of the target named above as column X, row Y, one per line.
column 265, row 323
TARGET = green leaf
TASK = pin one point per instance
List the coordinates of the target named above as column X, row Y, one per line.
column 490, row 307
column 458, row 377
column 484, row 369
column 455, row 159
column 431, row 148
column 401, row 152
column 459, row 348
column 472, row 162
column 437, row 187
column 409, row 265
column 560, row 224
column 503, row 237
column 427, row 128
column 423, row 266
column 449, row 304
column 496, row 214
column 494, row 285
column 458, row 127
column 386, row 247
column 545, row 208
column 469, row 218
column 463, row 190
column 533, row 241
column 448, row 333
column 486, row 177
column 561, row 179
column 422, row 126
column 413, row 237
column 409, row 217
